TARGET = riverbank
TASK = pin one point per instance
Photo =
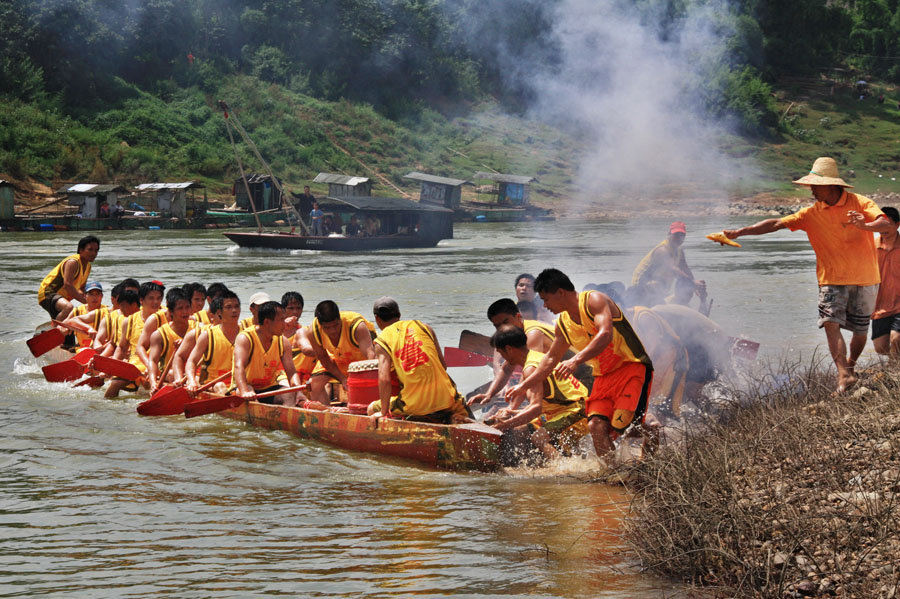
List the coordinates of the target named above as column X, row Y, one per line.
column 788, row 492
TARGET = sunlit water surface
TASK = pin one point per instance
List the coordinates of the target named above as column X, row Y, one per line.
column 98, row 502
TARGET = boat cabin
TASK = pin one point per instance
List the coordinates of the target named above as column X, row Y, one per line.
column 263, row 190
column 439, row 191
column 340, row 186
column 511, row 190
column 172, row 199
column 90, row 198
column 366, row 216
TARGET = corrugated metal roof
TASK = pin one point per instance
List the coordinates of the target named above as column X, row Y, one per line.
column 501, row 178
column 435, row 179
column 255, row 178
column 370, row 203
column 339, row 179
column 91, row 188
column 158, row 186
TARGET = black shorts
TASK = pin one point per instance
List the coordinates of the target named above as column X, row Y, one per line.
column 49, row 304
column 883, row 326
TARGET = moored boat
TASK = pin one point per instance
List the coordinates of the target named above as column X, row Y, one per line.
column 454, row 447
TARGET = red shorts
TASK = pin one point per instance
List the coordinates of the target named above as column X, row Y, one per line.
column 620, row 397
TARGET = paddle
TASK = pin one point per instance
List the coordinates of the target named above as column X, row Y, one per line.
column 63, row 372
column 117, row 368
column 225, row 402
column 475, row 343
column 85, row 355
column 455, row 356
column 41, row 343
column 743, row 348
column 91, row 381
column 165, row 371
column 173, row 401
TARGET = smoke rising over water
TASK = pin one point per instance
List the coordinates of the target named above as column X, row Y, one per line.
column 628, row 86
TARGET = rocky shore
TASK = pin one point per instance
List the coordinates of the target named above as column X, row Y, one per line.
column 787, row 492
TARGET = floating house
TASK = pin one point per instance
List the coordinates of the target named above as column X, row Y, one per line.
column 263, row 190
column 511, row 190
column 439, row 191
column 89, row 197
column 345, row 186
column 172, row 199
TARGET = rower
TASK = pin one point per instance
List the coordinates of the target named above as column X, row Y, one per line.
column 165, row 340
column 256, row 300
column 262, row 361
column 108, row 332
column 208, row 316
column 596, row 327
column 87, row 317
column 298, row 335
column 525, row 291
column 411, row 349
column 67, row 279
column 554, row 420
column 150, row 296
column 505, row 312
column 338, row 338
column 150, row 326
column 196, row 292
column 213, row 353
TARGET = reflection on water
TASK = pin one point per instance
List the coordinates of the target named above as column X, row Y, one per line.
column 96, row 501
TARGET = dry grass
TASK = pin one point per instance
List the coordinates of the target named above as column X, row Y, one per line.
column 786, row 492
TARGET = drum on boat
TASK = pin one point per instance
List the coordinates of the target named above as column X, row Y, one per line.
column 362, row 385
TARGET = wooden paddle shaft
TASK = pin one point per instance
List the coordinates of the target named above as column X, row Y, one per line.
column 218, row 379
column 165, row 371
column 272, row 393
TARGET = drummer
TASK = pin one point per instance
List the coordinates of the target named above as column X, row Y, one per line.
column 338, row 338
column 411, row 349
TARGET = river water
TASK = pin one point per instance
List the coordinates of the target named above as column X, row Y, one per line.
column 96, row 501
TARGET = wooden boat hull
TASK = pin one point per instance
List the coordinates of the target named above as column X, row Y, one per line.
column 289, row 241
column 463, row 447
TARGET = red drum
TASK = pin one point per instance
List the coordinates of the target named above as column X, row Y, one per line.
column 362, row 385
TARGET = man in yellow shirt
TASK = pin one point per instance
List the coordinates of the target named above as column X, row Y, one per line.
column 67, row 279
column 840, row 227
column 411, row 349
column 213, row 353
column 664, row 266
column 339, row 337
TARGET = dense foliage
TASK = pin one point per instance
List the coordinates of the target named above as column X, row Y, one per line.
column 89, row 86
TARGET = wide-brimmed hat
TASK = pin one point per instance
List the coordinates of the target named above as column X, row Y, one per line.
column 824, row 171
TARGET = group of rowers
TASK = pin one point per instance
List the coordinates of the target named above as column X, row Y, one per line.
column 590, row 373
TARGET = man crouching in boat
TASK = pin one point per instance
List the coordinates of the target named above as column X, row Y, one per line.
column 410, row 348
column 554, row 419
column 262, row 361
column 67, row 280
column 339, row 337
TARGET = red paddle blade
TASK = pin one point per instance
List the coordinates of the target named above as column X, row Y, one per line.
column 454, row 356
column 84, row 356
column 167, row 402
column 42, row 343
column 744, row 349
column 92, row 381
column 117, row 368
column 476, row 343
column 211, row 406
column 63, row 372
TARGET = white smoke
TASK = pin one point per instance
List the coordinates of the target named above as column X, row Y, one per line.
column 626, row 90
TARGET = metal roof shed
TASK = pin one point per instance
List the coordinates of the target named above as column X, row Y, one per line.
column 511, row 190
column 440, row 191
column 90, row 196
column 340, row 186
column 172, row 198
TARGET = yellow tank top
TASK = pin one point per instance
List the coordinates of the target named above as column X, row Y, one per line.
column 53, row 282
column 567, row 394
column 99, row 314
column 264, row 367
column 218, row 357
column 425, row 386
column 135, row 328
column 347, row 350
column 624, row 348
column 536, row 325
column 114, row 326
column 246, row 323
column 303, row 363
column 202, row 317
column 170, row 339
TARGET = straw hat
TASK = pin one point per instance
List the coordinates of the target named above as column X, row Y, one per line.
column 824, row 171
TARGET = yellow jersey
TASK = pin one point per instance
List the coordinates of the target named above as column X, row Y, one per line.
column 264, row 368
column 202, row 317
column 82, row 339
column 170, row 340
column 246, row 323
column 53, row 282
column 114, row 326
column 347, row 349
column 218, row 357
column 536, row 325
column 303, row 363
column 134, row 328
column 425, row 386
column 624, row 348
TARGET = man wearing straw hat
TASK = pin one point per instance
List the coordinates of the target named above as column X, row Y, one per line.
column 839, row 226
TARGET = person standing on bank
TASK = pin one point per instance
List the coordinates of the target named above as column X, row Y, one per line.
column 886, row 317
column 840, row 227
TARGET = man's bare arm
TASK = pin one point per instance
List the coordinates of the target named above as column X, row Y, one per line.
column 769, row 225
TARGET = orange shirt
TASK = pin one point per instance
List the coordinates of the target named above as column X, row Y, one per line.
column 888, row 301
column 845, row 255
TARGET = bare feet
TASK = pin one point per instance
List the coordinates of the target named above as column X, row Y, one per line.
column 846, row 382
